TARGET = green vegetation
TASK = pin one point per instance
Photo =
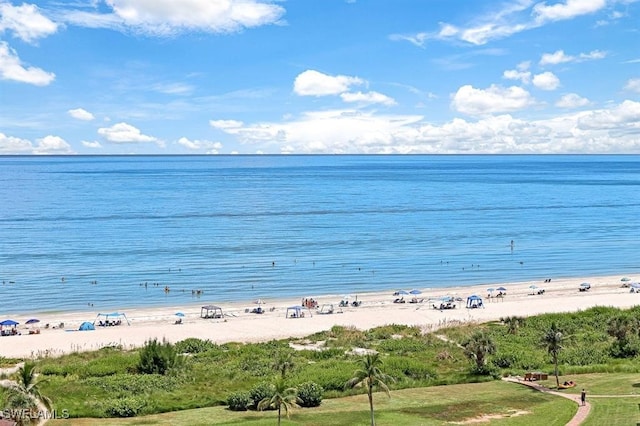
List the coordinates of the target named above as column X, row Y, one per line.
column 237, row 376
column 507, row 403
column 370, row 376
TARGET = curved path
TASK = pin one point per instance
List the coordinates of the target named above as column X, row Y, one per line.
column 583, row 410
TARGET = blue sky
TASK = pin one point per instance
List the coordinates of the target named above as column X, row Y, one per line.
column 319, row 76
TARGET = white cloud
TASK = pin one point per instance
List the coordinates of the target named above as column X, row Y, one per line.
column 567, row 9
column 81, row 114
column 509, row 18
column 174, row 88
column 168, row 17
column 199, row 145
column 633, row 85
column 225, row 124
column 572, row 100
column 521, row 73
column 314, row 83
column 615, row 130
column 13, row 145
column 546, row 81
column 367, row 98
column 25, row 21
column 11, row 68
column 495, row 99
column 52, row 145
column 559, row 57
column 418, row 39
column 94, row 144
column 124, row 133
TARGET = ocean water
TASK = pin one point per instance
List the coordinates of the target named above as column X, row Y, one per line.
column 79, row 231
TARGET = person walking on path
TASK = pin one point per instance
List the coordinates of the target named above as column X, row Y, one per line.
column 583, row 397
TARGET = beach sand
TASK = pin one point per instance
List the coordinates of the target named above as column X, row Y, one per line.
column 377, row 309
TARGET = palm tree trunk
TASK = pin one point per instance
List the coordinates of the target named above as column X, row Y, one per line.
column 279, row 410
column 373, row 421
column 555, row 364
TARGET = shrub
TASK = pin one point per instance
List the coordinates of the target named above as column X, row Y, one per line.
column 129, row 406
column 239, row 401
column 258, row 393
column 194, row 345
column 310, row 394
column 157, row 358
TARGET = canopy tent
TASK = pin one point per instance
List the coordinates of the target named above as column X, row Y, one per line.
column 474, row 301
column 8, row 323
column 296, row 311
column 86, row 326
column 112, row 318
column 211, row 311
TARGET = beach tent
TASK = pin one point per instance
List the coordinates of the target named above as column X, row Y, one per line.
column 211, row 311
column 296, row 311
column 8, row 323
column 474, row 301
column 85, row 326
column 111, row 318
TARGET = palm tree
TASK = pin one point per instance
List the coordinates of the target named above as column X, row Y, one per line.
column 283, row 361
column 27, row 383
column 282, row 396
column 553, row 340
column 513, row 323
column 477, row 347
column 370, row 375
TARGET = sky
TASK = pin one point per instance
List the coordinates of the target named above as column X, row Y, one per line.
column 120, row 77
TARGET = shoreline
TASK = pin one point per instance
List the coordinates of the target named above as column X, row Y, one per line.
column 239, row 325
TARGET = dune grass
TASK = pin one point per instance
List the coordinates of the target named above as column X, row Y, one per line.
column 504, row 403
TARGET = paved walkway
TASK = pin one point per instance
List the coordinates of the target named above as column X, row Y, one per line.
column 583, row 410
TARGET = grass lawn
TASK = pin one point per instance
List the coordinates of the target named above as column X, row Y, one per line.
column 506, row 403
column 607, row 394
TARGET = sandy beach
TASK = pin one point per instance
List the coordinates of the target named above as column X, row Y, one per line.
column 239, row 325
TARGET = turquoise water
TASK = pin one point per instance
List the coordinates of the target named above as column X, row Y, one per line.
column 77, row 230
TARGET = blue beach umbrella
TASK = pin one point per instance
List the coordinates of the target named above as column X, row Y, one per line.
column 501, row 289
column 179, row 314
column 401, row 292
column 415, row 291
column 32, row 321
column 625, row 279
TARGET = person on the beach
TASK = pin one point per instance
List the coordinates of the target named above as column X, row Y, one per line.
column 583, row 397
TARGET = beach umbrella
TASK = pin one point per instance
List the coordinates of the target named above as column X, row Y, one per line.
column 32, row 321
column 402, row 292
column 533, row 286
column 502, row 289
column 259, row 302
column 624, row 279
column 491, row 290
column 8, row 322
column 179, row 314
column 415, row 291
column 634, row 285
